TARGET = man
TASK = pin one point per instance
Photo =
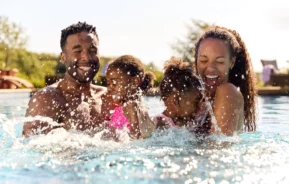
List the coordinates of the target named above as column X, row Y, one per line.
column 73, row 103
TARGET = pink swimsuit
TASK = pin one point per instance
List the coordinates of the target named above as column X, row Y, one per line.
column 118, row 119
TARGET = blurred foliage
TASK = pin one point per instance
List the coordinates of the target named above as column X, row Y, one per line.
column 12, row 37
column 35, row 66
column 185, row 47
column 32, row 66
column 158, row 74
column 259, row 82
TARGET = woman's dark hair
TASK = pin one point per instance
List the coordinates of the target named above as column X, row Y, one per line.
column 178, row 77
column 241, row 74
column 134, row 67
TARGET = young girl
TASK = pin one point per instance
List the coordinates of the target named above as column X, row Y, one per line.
column 183, row 96
column 126, row 82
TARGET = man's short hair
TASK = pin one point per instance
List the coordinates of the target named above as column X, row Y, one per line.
column 76, row 28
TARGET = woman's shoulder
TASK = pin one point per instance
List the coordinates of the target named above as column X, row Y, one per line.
column 228, row 90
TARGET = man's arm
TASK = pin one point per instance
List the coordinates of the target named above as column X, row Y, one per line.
column 228, row 108
column 41, row 113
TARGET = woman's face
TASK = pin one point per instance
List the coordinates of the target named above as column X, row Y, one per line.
column 213, row 63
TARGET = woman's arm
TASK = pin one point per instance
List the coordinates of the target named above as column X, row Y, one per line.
column 229, row 108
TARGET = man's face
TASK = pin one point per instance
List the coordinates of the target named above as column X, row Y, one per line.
column 81, row 56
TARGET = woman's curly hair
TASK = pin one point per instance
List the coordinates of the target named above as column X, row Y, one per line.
column 241, row 74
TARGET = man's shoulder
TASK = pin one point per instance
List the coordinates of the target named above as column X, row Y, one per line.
column 50, row 92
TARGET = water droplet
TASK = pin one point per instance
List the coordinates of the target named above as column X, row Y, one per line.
column 72, row 113
column 34, row 100
column 87, row 79
column 74, row 73
column 66, row 104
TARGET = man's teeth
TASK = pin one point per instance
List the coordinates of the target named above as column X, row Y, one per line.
column 85, row 68
column 211, row 76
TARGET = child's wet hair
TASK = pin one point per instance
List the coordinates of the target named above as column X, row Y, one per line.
column 134, row 67
column 179, row 77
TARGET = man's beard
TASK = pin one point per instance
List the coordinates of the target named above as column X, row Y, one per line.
column 83, row 76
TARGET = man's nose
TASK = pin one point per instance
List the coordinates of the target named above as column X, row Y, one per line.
column 85, row 55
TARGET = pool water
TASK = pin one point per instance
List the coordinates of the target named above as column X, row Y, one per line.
column 173, row 156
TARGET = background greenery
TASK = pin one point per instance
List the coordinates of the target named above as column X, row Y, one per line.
column 35, row 66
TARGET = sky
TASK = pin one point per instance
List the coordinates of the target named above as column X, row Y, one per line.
column 148, row 28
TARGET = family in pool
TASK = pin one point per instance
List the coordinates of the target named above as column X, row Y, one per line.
column 215, row 94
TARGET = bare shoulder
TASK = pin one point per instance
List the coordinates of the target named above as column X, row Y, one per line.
column 229, row 108
column 48, row 93
column 42, row 101
column 230, row 92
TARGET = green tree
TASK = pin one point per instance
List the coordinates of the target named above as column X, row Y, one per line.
column 12, row 37
column 185, row 47
column 154, row 69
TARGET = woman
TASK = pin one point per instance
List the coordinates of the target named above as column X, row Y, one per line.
column 222, row 60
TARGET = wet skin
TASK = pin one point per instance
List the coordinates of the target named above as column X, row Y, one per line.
column 73, row 103
column 122, row 89
column 213, row 65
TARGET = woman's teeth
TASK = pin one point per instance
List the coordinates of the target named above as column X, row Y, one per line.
column 211, row 76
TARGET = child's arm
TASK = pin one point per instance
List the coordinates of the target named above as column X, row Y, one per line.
column 146, row 125
column 131, row 111
column 141, row 126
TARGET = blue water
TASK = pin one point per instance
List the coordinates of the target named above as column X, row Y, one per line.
column 174, row 156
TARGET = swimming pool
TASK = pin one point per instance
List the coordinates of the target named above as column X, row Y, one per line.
column 174, row 156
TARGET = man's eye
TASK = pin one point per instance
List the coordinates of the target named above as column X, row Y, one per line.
column 77, row 51
column 203, row 61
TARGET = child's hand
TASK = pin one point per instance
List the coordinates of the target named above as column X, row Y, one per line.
column 146, row 125
column 140, row 123
column 131, row 111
